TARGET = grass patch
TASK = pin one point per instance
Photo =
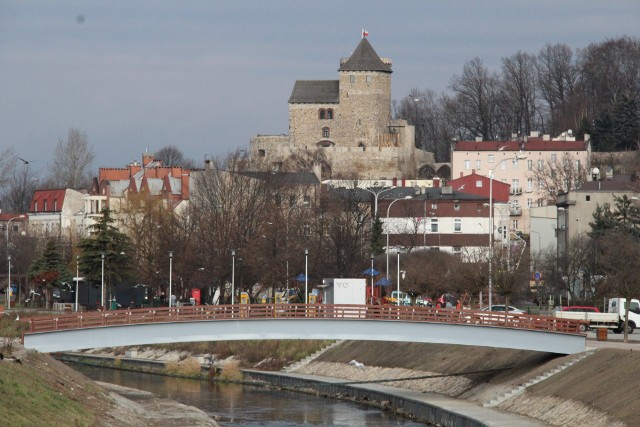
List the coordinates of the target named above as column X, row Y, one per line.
column 41, row 392
column 189, row 367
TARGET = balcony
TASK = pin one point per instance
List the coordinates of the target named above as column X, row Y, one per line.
column 515, row 211
column 515, row 191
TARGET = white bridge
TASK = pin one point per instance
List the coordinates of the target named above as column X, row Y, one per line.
column 301, row 321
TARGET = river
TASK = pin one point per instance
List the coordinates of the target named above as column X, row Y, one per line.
column 244, row 405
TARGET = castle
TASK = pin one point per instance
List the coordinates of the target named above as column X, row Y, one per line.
column 345, row 125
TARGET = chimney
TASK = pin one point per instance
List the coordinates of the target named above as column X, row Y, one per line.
column 184, row 188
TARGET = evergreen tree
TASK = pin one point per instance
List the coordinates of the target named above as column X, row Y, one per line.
column 50, row 270
column 626, row 124
column 105, row 238
column 603, row 139
column 377, row 246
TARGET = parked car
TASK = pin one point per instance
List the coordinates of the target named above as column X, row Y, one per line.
column 500, row 307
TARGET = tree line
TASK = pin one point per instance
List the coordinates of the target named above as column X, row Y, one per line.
column 594, row 90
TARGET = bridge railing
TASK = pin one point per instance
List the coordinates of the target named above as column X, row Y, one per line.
column 283, row 312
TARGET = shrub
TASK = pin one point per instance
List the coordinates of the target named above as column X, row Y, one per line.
column 231, row 372
column 189, row 367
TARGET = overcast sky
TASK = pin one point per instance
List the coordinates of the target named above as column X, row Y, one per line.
column 208, row 75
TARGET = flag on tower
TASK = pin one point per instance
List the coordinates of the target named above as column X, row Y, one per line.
column 365, row 33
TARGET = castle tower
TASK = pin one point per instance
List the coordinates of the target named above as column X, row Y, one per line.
column 365, row 95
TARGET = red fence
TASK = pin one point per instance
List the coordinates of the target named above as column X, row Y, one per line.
column 307, row 311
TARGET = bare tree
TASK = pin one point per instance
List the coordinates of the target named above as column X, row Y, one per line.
column 622, row 261
column 557, row 75
column 20, row 188
column 173, row 156
column 519, row 93
column 563, row 174
column 475, row 102
column 72, row 160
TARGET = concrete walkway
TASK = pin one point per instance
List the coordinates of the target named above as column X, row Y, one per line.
column 464, row 409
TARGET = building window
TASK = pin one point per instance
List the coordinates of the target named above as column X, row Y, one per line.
column 490, row 158
column 325, row 132
column 503, row 165
column 457, row 225
column 479, row 183
column 515, row 186
column 352, row 78
column 577, row 164
column 434, row 206
column 540, row 164
column 478, row 164
column 369, row 78
column 261, row 153
column 35, row 206
column 529, row 165
column 514, row 224
column 434, row 225
column 55, row 205
column 321, row 114
column 588, row 198
column 456, row 207
column 329, row 114
column 529, row 203
column 553, row 158
column 467, row 165
column 529, row 185
column 44, row 206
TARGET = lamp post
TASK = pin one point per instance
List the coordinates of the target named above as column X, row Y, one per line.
column 387, row 226
column 398, row 278
column 233, row 276
column 372, row 279
column 376, row 191
column 170, row 274
column 306, row 277
column 7, row 292
column 515, row 159
column 77, row 278
column 7, row 230
column 102, row 282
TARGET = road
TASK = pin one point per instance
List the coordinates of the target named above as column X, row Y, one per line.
column 614, row 341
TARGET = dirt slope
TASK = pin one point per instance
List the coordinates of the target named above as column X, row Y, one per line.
column 601, row 390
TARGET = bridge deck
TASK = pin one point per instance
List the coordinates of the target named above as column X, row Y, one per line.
column 307, row 311
column 299, row 321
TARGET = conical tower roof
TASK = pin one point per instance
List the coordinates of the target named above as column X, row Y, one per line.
column 364, row 58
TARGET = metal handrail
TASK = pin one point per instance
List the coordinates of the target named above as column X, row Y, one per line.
column 346, row 312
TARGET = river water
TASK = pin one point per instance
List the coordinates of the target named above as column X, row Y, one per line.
column 243, row 405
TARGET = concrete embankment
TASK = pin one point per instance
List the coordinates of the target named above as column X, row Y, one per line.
column 424, row 407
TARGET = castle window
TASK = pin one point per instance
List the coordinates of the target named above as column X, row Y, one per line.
column 261, row 153
column 321, row 114
column 325, row 132
column 352, row 78
column 368, row 78
column 330, row 114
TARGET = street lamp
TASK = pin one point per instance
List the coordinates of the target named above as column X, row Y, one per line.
column 387, row 226
column 515, row 159
column 233, row 276
column 376, row 191
column 77, row 278
column 372, row 279
column 170, row 274
column 102, row 281
column 7, row 230
column 7, row 295
column 398, row 278
column 306, row 277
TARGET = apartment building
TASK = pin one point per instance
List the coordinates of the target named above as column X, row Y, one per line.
column 517, row 162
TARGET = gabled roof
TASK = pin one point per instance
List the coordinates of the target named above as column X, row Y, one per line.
column 364, row 58
column 315, row 92
column 53, row 199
